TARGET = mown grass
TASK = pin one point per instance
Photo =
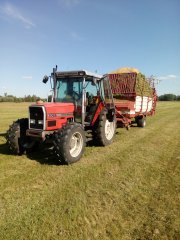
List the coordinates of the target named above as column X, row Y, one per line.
column 128, row 190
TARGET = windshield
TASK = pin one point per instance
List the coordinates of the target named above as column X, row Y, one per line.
column 69, row 89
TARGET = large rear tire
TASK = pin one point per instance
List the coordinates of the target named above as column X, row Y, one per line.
column 69, row 143
column 105, row 130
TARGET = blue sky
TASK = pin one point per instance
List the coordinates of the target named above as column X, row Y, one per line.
column 97, row 35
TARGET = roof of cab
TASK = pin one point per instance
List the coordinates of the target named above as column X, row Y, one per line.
column 78, row 73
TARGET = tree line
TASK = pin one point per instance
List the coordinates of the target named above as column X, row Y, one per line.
column 169, row 97
column 28, row 98
column 34, row 98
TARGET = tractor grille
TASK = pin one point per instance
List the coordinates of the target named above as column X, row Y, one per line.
column 37, row 117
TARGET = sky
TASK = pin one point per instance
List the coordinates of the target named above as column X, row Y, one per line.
column 96, row 35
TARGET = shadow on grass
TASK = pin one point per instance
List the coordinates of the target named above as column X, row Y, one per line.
column 43, row 155
column 4, row 149
column 3, row 134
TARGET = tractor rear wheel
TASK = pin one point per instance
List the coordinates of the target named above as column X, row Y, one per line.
column 69, row 143
column 105, row 130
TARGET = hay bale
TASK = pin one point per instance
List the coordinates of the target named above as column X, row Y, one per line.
column 140, row 88
column 125, row 70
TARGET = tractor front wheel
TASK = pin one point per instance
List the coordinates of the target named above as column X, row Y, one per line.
column 17, row 140
column 16, row 135
column 69, row 143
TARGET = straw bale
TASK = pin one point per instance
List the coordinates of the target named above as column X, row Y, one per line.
column 126, row 70
column 142, row 86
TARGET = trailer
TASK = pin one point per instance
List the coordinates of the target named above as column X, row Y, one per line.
column 134, row 97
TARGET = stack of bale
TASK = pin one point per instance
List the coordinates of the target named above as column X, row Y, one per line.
column 142, row 86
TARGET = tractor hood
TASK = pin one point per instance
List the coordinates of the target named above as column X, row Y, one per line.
column 49, row 116
column 57, row 109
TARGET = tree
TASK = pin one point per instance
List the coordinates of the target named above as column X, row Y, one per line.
column 167, row 97
column 178, row 98
column 11, row 98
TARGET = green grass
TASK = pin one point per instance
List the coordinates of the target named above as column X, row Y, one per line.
column 128, row 190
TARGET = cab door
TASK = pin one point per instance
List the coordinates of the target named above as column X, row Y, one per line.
column 106, row 92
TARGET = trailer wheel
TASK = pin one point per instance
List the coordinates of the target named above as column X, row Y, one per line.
column 105, row 131
column 16, row 136
column 141, row 122
column 69, row 143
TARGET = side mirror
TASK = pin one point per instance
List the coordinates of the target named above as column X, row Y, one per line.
column 45, row 79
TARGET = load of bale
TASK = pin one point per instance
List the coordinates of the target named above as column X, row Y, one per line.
column 142, row 86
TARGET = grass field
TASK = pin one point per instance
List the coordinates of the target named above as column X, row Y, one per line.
column 128, row 190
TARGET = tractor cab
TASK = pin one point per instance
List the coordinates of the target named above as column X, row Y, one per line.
column 88, row 92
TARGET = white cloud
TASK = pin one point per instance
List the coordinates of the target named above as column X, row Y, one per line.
column 27, row 77
column 68, row 3
column 168, row 77
column 13, row 12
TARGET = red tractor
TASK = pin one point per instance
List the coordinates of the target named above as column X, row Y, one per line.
column 81, row 108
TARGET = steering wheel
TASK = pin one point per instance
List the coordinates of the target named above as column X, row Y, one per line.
column 76, row 95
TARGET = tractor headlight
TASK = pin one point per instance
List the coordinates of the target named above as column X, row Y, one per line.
column 40, row 121
column 32, row 121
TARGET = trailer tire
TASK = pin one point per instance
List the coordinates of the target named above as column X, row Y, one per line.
column 16, row 136
column 69, row 143
column 141, row 122
column 106, row 130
